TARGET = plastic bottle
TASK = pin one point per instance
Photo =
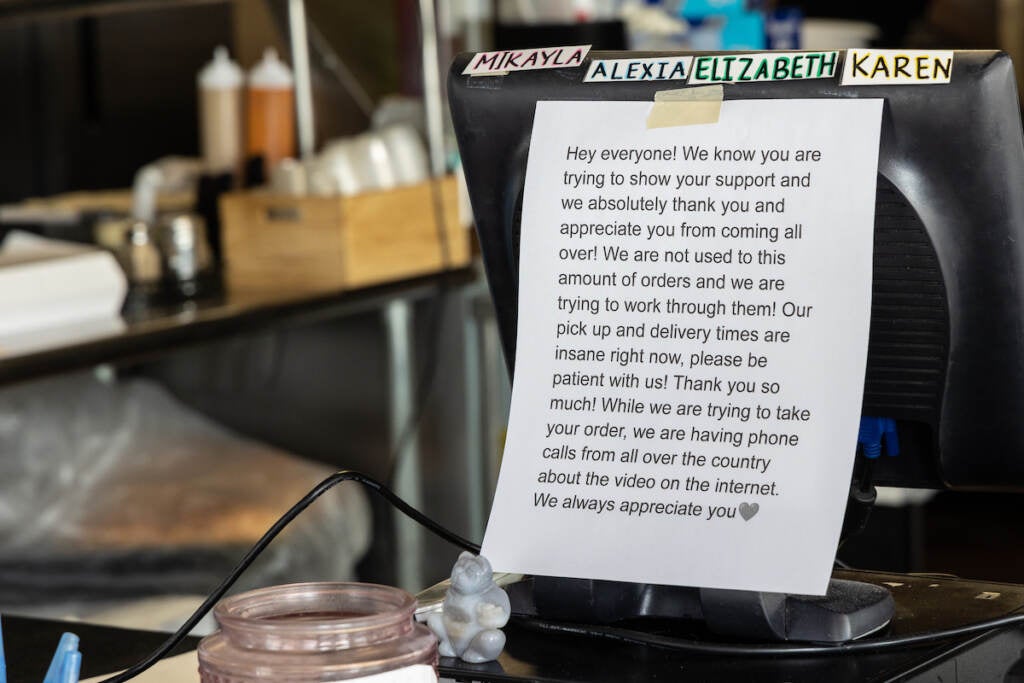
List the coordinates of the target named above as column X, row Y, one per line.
column 317, row 632
column 271, row 111
column 220, row 113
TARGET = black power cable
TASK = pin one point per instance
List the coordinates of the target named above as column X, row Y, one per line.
column 265, row 540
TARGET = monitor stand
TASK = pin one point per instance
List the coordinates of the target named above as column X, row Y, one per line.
column 849, row 610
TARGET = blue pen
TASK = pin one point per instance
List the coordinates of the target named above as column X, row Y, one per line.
column 68, row 644
column 3, row 658
column 72, row 667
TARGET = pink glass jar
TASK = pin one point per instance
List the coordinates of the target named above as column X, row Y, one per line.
column 318, row 633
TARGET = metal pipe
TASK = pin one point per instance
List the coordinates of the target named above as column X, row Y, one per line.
column 432, row 87
column 303, row 78
column 408, row 471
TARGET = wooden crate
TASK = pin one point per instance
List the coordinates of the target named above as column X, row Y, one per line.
column 273, row 241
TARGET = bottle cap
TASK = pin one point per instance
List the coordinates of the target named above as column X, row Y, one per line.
column 271, row 73
column 221, row 72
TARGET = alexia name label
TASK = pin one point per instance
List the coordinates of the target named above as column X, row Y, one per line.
column 897, row 67
column 502, row 61
column 768, row 66
column 639, row 69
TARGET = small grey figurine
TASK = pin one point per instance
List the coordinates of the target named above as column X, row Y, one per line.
column 474, row 610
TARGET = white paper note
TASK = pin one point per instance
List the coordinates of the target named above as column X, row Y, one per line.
column 693, row 319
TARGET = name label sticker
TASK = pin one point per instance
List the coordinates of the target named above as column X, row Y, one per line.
column 897, row 67
column 503, row 61
column 645, row 69
column 766, row 66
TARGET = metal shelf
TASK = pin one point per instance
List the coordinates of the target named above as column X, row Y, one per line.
column 153, row 330
column 42, row 9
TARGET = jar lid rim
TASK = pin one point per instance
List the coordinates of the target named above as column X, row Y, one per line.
column 261, row 610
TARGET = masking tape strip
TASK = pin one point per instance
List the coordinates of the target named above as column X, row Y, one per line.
column 686, row 107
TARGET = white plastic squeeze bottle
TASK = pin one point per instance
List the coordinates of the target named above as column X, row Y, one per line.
column 271, row 108
column 220, row 113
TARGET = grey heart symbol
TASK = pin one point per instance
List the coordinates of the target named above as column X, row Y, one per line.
column 748, row 510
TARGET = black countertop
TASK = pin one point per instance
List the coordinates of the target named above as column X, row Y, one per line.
column 923, row 603
column 29, row 645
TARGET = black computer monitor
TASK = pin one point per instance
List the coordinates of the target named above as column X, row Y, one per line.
column 946, row 345
column 946, row 341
